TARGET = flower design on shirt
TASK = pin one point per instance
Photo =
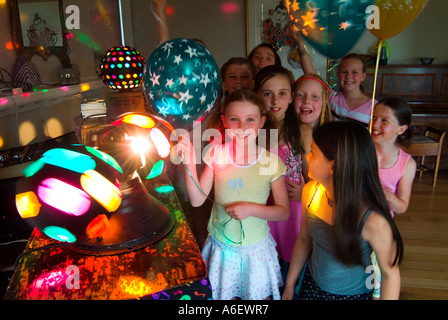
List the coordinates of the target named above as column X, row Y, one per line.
column 236, row 185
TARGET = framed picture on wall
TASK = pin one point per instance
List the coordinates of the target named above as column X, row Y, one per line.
column 38, row 28
column 268, row 21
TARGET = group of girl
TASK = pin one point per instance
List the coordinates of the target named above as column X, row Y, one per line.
column 300, row 218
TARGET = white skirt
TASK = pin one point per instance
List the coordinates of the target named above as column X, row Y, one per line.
column 249, row 272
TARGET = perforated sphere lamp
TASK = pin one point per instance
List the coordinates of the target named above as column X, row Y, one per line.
column 135, row 218
column 121, row 70
column 70, row 192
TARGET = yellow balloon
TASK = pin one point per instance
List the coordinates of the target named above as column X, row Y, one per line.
column 395, row 16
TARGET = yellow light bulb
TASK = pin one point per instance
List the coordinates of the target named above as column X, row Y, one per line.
column 101, row 189
column 27, row 204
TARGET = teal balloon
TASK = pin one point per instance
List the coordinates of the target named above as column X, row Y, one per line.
column 332, row 27
column 181, row 82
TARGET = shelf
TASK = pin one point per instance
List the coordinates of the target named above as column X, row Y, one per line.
column 52, row 94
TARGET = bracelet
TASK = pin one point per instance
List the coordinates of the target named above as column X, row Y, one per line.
column 303, row 52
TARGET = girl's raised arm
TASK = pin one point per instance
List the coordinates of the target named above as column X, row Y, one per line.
column 197, row 188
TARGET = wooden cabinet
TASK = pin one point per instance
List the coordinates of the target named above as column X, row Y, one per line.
column 424, row 87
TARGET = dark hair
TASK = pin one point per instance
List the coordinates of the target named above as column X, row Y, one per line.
column 355, row 181
column 403, row 113
column 249, row 95
column 290, row 130
column 237, row 61
column 278, row 61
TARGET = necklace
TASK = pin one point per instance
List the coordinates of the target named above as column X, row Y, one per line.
column 329, row 201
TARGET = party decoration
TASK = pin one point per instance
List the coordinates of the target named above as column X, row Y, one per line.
column 331, row 27
column 181, row 82
column 395, row 16
column 122, row 68
column 138, row 141
column 65, row 191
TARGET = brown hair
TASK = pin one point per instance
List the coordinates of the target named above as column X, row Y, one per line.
column 250, row 96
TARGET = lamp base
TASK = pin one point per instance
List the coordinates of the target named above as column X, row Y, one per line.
column 118, row 103
column 140, row 221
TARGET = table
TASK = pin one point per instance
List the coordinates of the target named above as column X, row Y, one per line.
column 171, row 268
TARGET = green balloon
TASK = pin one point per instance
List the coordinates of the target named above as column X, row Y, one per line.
column 331, row 27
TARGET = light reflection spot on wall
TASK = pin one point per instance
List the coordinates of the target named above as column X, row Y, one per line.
column 53, row 128
column 27, row 132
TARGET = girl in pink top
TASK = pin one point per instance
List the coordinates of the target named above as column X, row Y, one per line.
column 274, row 85
column 351, row 103
column 390, row 131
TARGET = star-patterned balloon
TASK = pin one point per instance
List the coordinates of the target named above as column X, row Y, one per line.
column 331, row 26
column 181, row 82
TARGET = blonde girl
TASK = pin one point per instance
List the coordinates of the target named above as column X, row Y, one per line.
column 311, row 100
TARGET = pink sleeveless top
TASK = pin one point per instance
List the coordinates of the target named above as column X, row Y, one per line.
column 391, row 176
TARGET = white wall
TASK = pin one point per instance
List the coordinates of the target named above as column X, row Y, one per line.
column 223, row 33
column 425, row 37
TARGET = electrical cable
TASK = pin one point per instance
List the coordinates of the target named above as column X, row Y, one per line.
column 12, row 242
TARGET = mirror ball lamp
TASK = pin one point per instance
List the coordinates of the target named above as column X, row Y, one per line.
column 122, row 68
column 84, row 196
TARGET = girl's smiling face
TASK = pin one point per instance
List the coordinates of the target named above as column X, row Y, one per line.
column 351, row 74
column 237, row 76
column 263, row 57
column 308, row 101
column 385, row 125
column 242, row 120
column 276, row 94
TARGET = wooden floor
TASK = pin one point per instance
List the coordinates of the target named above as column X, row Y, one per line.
column 424, row 228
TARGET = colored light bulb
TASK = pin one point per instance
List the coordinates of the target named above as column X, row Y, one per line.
column 27, row 204
column 97, row 226
column 101, row 189
column 58, row 233
column 69, row 159
column 139, row 120
column 33, row 168
column 156, row 170
column 105, row 157
column 162, row 144
column 63, row 196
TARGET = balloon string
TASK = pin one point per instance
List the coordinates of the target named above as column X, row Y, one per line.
column 159, row 20
column 380, row 45
column 225, row 225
